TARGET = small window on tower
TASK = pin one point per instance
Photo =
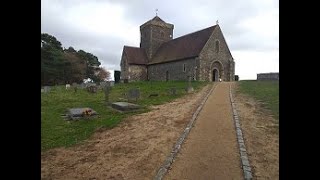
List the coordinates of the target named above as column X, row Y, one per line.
column 184, row 68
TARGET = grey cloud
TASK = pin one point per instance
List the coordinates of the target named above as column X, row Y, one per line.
column 187, row 16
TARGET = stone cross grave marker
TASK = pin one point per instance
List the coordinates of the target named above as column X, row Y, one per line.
column 133, row 94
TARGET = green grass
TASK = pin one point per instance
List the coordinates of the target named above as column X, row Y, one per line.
column 264, row 91
column 57, row 132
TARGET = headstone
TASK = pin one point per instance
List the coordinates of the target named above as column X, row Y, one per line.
column 68, row 86
column 189, row 87
column 111, row 83
column 78, row 113
column 92, row 89
column 153, row 95
column 46, row 89
column 82, row 85
column 75, row 87
column 107, row 90
column 133, row 94
column 173, row 91
column 42, row 90
column 102, row 85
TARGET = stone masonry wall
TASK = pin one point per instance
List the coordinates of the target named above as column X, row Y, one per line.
column 137, row 73
column 124, row 68
column 208, row 55
column 175, row 69
column 268, row 76
column 152, row 36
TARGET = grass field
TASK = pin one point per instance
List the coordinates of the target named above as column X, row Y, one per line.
column 57, row 132
column 265, row 91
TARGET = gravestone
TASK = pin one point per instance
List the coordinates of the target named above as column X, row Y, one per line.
column 107, row 90
column 189, row 87
column 133, row 94
column 46, row 89
column 102, row 85
column 173, row 91
column 78, row 113
column 125, row 106
column 75, row 87
column 42, row 90
column 68, row 86
column 92, row 89
column 82, row 86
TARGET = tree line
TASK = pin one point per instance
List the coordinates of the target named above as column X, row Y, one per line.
column 66, row 66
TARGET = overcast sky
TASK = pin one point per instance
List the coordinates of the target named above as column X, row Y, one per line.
column 103, row 27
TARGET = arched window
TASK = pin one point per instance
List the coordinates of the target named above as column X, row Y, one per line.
column 217, row 46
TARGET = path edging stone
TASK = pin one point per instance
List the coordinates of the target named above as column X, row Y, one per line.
column 169, row 160
column 247, row 173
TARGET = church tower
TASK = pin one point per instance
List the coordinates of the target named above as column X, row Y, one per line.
column 154, row 33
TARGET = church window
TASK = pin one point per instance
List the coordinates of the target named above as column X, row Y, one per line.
column 217, row 46
column 184, row 68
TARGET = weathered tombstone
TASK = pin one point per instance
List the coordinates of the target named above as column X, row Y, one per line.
column 78, row 113
column 46, row 89
column 153, row 95
column 68, row 86
column 75, row 87
column 42, row 90
column 111, row 83
column 189, row 88
column 92, row 89
column 125, row 106
column 133, row 94
column 173, row 91
column 102, row 85
column 82, row 85
column 107, row 90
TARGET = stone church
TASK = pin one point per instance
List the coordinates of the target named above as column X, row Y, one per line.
column 202, row 55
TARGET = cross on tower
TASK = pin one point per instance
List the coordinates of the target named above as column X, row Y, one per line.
column 156, row 12
column 217, row 22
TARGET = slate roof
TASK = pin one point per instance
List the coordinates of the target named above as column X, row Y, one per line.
column 186, row 46
column 135, row 55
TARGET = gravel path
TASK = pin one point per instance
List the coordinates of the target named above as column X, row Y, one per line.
column 210, row 151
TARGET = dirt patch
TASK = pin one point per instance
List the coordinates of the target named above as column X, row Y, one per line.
column 135, row 149
column 261, row 134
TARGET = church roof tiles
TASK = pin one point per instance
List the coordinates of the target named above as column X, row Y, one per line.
column 135, row 55
column 186, row 46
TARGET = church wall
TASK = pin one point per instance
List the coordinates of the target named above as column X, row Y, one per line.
column 124, row 68
column 157, row 72
column 137, row 73
column 209, row 54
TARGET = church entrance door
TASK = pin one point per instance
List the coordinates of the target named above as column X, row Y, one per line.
column 215, row 75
